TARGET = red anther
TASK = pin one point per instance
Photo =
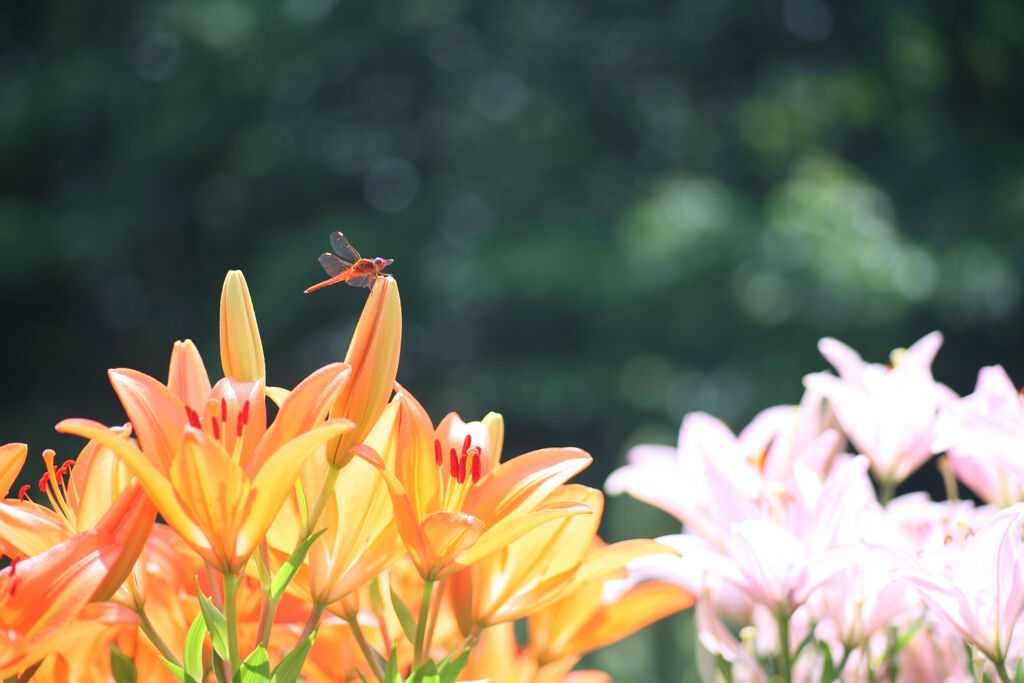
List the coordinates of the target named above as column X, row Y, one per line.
column 42, row 481
column 465, row 443
column 438, row 453
column 215, row 423
column 223, row 410
column 477, row 464
column 947, row 540
column 970, row 532
column 453, row 464
column 23, row 491
column 245, row 413
column 193, row 417
column 462, row 467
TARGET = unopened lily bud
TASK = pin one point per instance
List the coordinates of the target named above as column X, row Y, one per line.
column 496, row 429
column 241, row 351
column 373, row 357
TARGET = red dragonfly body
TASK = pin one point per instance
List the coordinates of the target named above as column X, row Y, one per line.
column 346, row 265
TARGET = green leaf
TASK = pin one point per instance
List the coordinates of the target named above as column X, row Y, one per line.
column 828, row 671
column 216, row 624
column 405, row 617
column 290, row 666
column 427, row 673
column 1018, row 675
column 194, row 648
column 361, row 676
column 290, row 567
column 122, row 666
column 451, row 668
column 391, row 674
column 178, row 672
column 256, row 667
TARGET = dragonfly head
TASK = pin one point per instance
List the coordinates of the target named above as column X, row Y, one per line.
column 381, row 263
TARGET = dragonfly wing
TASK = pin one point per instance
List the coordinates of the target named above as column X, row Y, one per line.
column 362, row 280
column 333, row 265
column 342, row 248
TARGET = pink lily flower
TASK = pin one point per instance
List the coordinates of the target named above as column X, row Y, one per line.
column 887, row 411
column 981, row 433
column 982, row 595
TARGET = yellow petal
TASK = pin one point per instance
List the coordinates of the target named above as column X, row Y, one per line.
column 12, row 457
column 611, row 560
column 373, row 357
column 187, row 378
column 500, row 535
column 241, row 351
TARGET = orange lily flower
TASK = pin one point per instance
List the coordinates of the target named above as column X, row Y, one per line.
column 453, row 503
column 361, row 540
column 373, row 357
column 543, row 566
column 43, row 600
column 214, row 470
column 93, row 492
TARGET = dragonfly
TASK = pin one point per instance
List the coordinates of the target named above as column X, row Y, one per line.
column 346, row 265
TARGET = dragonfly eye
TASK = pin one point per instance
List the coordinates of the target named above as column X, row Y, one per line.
column 379, row 262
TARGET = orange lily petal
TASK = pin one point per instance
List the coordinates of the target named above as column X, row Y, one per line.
column 12, row 457
column 186, row 377
column 640, row 606
column 213, row 489
column 450, row 533
column 305, row 406
column 157, row 415
column 523, row 481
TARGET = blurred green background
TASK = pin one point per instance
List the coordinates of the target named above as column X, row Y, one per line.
column 603, row 215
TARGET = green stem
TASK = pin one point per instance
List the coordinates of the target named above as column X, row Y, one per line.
column 321, row 500
column 1004, row 675
column 267, row 606
column 313, row 621
column 888, row 489
column 162, row 647
column 421, row 624
column 364, row 647
column 230, row 594
column 785, row 664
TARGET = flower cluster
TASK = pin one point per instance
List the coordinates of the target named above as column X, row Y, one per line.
column 804, row 572
column 336, row 535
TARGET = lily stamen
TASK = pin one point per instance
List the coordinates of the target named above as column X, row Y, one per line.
column 23, row 492
column 52, row 484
